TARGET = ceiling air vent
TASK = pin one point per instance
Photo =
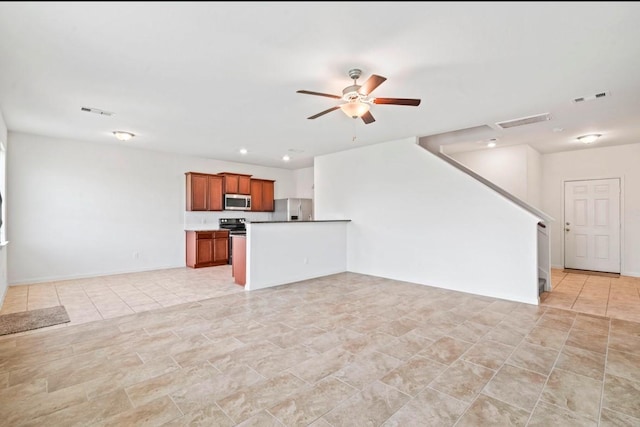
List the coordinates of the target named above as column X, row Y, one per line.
column 96, row 111
column 591, row 97
column 524, row 121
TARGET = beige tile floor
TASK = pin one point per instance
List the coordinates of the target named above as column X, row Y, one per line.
column 344, row 350
column 616, row 297
column 106, row 297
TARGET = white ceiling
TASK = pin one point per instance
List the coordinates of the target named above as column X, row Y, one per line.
column 207, row 78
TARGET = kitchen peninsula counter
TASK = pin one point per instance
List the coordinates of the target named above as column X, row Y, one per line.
column 293, row 222
column 204, row 227
column 281, row 252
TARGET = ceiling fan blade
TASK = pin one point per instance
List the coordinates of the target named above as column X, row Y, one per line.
column 372, row 82
column 397, row 101
column 315, row 116
column 328, row 95
column 368, row 118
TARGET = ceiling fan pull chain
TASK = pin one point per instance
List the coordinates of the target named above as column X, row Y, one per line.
column 354, row 131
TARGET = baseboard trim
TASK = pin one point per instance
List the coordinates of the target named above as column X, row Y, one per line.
column 591, row 273
column 35, row 281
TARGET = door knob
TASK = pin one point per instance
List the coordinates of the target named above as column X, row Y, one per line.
column 566, row 229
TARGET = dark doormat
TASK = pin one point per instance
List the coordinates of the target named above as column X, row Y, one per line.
column 34, row 319
column 591, row 273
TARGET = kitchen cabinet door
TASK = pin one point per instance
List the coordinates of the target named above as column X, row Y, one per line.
column 221, row 250
column 197, row 189
column 244, row 184
column 262, row 195
column 256, row 195
column 204, row 192
column 236, row 183
column 204, row 252
column 214, row 199
column 267, row 196
column 231, row 184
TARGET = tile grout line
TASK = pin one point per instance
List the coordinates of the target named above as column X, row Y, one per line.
column 551, row 371
column 55, row 288
column 578, row 295
column 121, row 299
column 492, row 377
column 606, row 310
column 26, row 306
column 93, row 303
column 604, row 375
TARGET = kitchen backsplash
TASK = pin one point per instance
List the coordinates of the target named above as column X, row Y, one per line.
column 194, row 220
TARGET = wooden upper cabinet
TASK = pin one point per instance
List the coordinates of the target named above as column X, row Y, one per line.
column 197, row 191
column 204, row 192
column 216, row 202
column 256, row 195
column 236, row 183
column 267, row 195
column 262, row 195
column 244, row 184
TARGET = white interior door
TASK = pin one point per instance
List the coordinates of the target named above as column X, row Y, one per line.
column 592, row 225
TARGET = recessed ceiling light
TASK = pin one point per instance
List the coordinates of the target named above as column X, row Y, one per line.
column 122, row 135
column 588, row 139
column 243, row 151
column 491, row 144
column 286, row 158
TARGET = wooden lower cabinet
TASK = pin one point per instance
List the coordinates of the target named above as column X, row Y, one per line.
column 221, row 250
column 207, row 248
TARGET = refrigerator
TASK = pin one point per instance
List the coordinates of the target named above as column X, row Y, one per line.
column 293, row 209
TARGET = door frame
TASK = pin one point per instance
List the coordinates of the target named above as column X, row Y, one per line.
column 622, row 220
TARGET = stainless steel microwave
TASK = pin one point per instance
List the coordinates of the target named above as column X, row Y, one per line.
column 237, row 202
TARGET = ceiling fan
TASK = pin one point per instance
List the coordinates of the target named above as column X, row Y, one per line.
column 357, row 98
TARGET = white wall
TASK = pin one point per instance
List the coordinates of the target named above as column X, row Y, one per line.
column 534, row 177
column 280, row 253
column 596, row 163
column 3, row 229
column 419, row 219
column 516, row 169
column 80, row 209
column 304, row 183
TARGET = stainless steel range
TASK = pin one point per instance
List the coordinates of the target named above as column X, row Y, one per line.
column 236, row 227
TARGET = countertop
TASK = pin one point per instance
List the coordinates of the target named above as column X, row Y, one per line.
column 195, row 228
column 293, row 222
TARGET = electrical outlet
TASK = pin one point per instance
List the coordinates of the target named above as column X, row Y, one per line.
column 136, row 255
column 306, row 260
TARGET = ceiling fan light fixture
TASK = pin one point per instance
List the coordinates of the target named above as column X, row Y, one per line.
column 358, row 98
column 588, row 139
column 355, row 109
column 122, row 135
